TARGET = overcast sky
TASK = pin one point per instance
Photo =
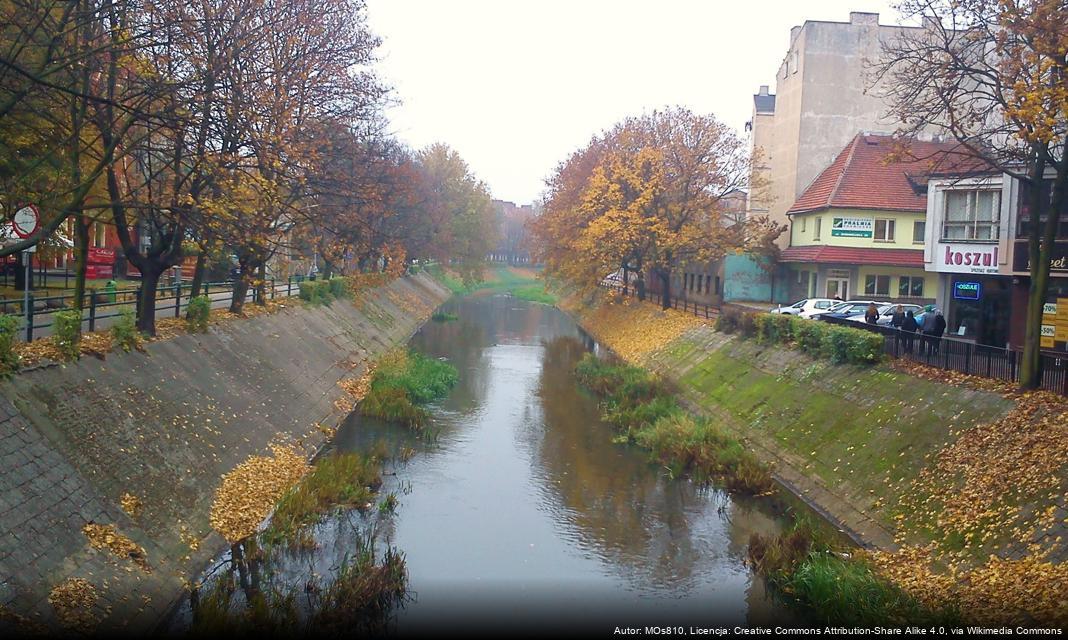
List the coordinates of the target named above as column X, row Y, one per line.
column 516, row 85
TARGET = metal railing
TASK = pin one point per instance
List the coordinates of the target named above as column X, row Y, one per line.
column 963, row 356
column 104, row 304
column 699, row 309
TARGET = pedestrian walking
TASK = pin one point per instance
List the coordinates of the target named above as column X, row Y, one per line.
column 931, row 337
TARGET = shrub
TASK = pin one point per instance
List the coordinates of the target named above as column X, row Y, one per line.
column 338, row 287
column 855, row 346
column 727, row 322
column 9, row 360
column 747, row 324
column 67, row 333
column 197, row 314
column 125, row 333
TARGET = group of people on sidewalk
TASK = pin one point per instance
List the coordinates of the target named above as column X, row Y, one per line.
column 932, row 325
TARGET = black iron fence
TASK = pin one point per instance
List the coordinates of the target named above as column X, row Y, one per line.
column 962, row 356
column 699, row 309
column 105, row 304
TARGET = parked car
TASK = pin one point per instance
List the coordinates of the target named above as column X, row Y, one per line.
column 846, row 309
column 808, row 304
column 886, row 313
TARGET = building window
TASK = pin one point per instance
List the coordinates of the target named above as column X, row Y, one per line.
column 910, row 287
column 803, row 221
column 971, row 215
column 877, row 285
column 98, row 235
column 919, row 230
column 816, row 228
column 884, row 230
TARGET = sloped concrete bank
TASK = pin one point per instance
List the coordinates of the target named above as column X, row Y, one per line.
column 847, row 440
column 163, row 426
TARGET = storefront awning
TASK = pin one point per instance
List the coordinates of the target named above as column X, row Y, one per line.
column 852, row 255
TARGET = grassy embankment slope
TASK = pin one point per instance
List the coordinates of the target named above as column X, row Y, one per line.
column 961, row 488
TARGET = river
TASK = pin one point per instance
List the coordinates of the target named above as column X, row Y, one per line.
column 521, row 514
column 524, row 512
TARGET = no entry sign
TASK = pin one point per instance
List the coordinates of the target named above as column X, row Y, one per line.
column 26, row 221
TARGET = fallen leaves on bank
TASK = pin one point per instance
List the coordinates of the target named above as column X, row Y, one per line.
column 999, row 592
column 107, row 537
column 976, row 485
column 131, row 504
column 633, row 329
column 250, row 492
column 355, row 389
column 73, row 600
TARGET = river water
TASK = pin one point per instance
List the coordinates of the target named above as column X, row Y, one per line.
column 523, row 512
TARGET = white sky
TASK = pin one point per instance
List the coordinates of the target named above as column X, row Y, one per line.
column 516, row 85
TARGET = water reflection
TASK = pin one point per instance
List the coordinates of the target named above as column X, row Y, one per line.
column 525, row 510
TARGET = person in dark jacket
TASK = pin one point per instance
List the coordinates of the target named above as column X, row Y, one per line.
column 909, row 326
column 871, row 316
column 932, row 331
column 898, row 318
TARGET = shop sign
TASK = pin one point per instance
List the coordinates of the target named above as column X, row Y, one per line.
column 967, row 290
column 100, row 255
column 1058, row 259
column 1049, row 309
column 847, row 227
column 966, row 258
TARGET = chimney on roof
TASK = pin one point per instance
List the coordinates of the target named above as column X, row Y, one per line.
column 861, row 17
column 763, row 90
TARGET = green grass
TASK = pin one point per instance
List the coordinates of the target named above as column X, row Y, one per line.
column 535, row 293
column 803, row 564
column 444, row 316
column 403, row 382
column 866, row 431
column 646, row 413
column 340, row 480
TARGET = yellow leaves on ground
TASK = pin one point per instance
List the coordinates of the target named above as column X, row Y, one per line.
column 355, row 388
column 976, row 483
column 249, row 493
column 630, row 328
column 131, row 504
column 98, row 344
column 999, row 592
column 106, row 536
column 73, row 601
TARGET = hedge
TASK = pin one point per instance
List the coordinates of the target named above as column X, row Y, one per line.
column 819, row 339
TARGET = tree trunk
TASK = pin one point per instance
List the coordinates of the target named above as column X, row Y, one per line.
column 198, row 274
column 665, row 285
column 241, row 285
column 81, row 260
column 146, row 313
column 261, row 286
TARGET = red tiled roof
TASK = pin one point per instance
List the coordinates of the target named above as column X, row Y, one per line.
column 854, row 255
column 867, row 174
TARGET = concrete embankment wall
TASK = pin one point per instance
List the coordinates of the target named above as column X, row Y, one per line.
column 849, row 440
column 164, row 425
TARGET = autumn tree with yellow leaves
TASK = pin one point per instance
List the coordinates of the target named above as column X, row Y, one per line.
column 647, row 196
column 993, row 76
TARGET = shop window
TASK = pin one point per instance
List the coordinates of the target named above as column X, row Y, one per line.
column 816, row 227
column 972, row 215
column 877, row 285
column 884, row 230
column 910, row 287
column 919, row 230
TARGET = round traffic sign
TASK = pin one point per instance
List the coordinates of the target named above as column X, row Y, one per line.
column 26, row 221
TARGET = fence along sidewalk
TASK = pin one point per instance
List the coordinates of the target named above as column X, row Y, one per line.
column 963, row 356
column 102, row 307
column 699, row 309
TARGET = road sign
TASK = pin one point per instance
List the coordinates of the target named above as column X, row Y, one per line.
column 26, row 221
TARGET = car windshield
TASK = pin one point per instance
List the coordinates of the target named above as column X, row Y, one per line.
column 799, row 304
column 839, row 307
